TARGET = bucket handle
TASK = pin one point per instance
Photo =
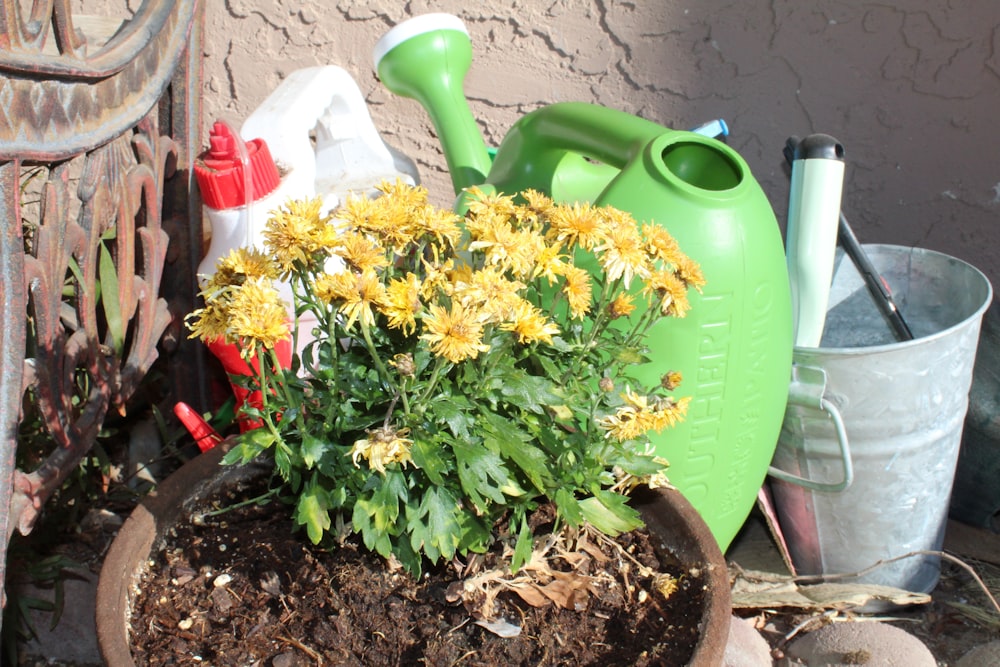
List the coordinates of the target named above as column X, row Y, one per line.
column 807, row 390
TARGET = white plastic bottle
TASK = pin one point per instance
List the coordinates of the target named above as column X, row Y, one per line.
column 317, row 121
column 240, row 184
column 312, row 136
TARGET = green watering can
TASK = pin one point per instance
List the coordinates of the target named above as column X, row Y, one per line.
column 734, row 348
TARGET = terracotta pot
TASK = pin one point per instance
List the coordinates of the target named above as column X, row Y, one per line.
column 666, row 513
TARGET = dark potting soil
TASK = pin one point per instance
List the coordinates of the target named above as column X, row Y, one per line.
column 241, row 589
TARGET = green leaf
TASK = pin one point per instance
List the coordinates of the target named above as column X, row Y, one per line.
column 523, row 547
column 312, row 511
column 632, row 356
column 481, row 472
column 550, row 367
column 638, row 464
column 411, row 560
column 312, row 449
column 441, row 510
column 529, row 392
column 252, row 443
column 610, row 513
column 426, row 453
column 284, row 459
column 568, row 506
column 109, row 299
column 421, row 539
column 375, row 516
column 503, row 437
column 375, row 540
column 454, row 411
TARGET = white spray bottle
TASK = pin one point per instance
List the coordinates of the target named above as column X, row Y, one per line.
column 317, row 121
column 318, row 139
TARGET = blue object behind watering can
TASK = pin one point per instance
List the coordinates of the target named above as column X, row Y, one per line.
column 734, row 348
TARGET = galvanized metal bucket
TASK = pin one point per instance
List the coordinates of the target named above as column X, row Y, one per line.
column 866, row 457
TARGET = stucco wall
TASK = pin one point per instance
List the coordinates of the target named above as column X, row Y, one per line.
column 911, row 92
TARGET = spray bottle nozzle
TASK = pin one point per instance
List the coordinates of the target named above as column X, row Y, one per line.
column 221, row 144
column 231, row 173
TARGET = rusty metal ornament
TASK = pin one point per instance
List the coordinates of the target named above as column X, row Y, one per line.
column 111, row 125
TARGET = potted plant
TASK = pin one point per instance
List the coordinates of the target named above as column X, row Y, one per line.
column 465, row 385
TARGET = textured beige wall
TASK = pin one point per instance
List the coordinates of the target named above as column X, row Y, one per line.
column 911, row 92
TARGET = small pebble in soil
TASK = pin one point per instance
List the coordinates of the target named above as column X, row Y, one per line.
column 284, row 660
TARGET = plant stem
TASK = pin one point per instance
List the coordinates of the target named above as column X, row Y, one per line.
column 439, row 363
column 243, row 503
column 370, row 344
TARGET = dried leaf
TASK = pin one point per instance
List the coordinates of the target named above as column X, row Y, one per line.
column 531, row 594
column 594, row 551
column 765, row 590
column 500, row 627
column 271, row 584
column 568, row 590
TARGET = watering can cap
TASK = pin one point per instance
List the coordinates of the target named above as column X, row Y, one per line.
column 414, row 27
column 219, row 170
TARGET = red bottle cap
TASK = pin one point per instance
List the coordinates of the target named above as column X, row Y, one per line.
column 219, row 170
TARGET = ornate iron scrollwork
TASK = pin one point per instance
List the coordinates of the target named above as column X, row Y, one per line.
column 112, row 126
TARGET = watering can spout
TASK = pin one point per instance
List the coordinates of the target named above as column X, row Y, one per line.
column 426, row 58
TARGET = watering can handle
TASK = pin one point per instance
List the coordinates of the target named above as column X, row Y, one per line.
column 571, row 150
column 806, row 390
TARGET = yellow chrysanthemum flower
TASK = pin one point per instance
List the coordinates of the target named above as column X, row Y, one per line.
column 490, row 205
column 241, row 263
column 361, row 252
column 436, row 277
column 666, row 412
column 402, row 301
column 506, row 247
column 671, row 380
column 442, row 224
column 354, row 294
column 530, row 324
column 332, row 288
column 579, row 224
column 689, row 271
column 669, row 291
column 257, row 315
column 294, row 232
column 383, row 447
column 209, row 323
column 550, row 263
column 626, row 423
column 621, row 306
column 660, row 244
column 637, row 417
column 386, row 218
column 578, row 291
column 538, row 202
column 455, row 334
column 487, row 290
column 622, row 254
column 401, row 193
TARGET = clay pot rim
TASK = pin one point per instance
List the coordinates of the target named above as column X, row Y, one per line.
column 145, row 528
